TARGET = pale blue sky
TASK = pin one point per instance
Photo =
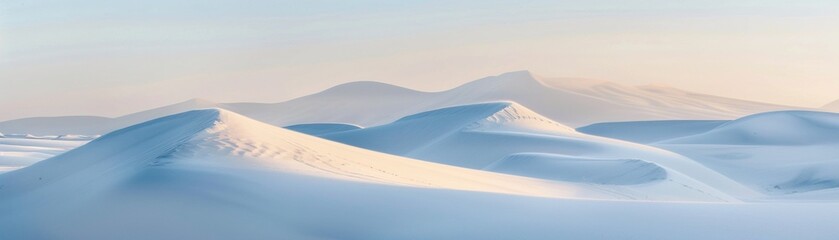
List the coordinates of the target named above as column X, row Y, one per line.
column 115, row 57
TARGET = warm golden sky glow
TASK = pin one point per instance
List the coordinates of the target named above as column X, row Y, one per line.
column 107, row 58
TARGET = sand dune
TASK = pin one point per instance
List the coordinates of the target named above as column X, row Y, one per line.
column 478, row 135
column 772, row 128
column 779, row 153
column 650, row 131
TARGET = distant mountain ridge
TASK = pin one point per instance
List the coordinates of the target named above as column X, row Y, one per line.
column 833, row 106
column 571, row 101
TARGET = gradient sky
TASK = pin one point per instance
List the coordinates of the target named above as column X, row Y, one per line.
column 109, row 58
